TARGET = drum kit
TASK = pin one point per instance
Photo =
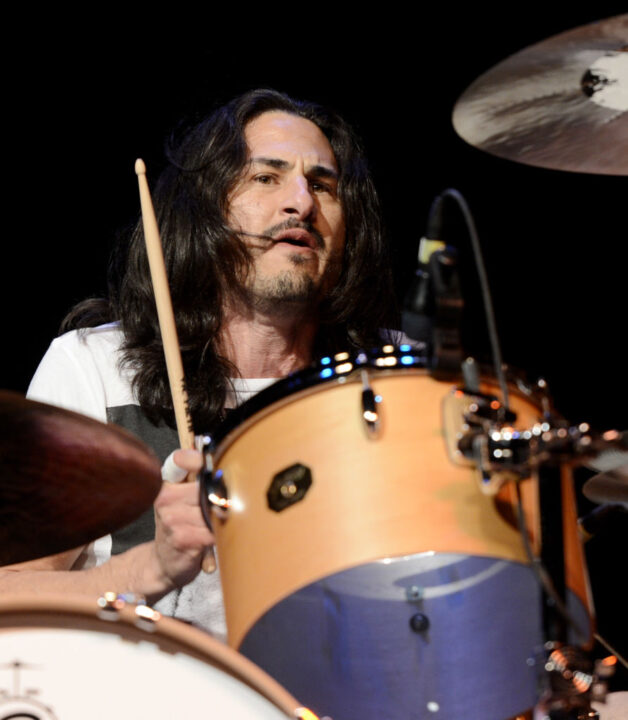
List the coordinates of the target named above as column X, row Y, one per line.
column 420, row 551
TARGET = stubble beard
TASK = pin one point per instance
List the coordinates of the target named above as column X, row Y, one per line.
column 287, row 292
column 293, row 291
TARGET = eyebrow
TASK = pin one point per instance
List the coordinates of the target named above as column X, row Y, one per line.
column 321, row 171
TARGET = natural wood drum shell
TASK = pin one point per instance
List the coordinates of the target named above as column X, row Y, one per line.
column 398, row 494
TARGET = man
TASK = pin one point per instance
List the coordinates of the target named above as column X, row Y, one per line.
column 275, row 255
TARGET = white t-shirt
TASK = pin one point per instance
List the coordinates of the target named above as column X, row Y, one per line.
column 81, row 372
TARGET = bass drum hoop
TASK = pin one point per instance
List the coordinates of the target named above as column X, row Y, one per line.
column 73, row 612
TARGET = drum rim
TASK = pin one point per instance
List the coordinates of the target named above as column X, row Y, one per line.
column 302, row 381
column 27, row 611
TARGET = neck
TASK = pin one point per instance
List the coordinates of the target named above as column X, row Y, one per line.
column 262, row 345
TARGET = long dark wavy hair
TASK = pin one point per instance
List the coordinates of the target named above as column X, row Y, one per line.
column 205, row 260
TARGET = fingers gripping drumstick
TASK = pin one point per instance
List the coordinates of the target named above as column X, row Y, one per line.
column 167, row 327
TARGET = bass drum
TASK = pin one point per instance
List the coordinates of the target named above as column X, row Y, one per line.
column 64, row 658
column 362, row 565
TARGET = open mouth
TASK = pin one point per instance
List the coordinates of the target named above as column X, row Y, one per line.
column 296, row 237
column 295, row 242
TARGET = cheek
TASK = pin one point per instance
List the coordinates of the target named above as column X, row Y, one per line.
column 243, row 211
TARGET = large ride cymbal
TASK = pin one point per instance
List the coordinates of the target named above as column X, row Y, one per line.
column 66, row 479
column 560, row 104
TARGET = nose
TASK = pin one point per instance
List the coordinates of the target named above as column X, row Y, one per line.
column 298, row 200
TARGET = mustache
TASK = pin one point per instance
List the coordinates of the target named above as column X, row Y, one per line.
column 271, row 233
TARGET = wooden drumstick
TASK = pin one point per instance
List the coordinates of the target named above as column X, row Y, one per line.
column 169, row 337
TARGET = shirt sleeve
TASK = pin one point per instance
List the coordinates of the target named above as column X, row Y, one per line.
column 68, row 377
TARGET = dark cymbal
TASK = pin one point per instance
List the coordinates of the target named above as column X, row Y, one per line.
column 608, row 487
column 66, row 479
column 561, row 103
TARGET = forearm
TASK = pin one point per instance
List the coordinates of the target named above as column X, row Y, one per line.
column 151, row 569
column 136, row 571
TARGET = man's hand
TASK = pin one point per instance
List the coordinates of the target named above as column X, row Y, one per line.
column 181, row 534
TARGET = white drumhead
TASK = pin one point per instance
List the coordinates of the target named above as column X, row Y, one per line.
column 112, row 671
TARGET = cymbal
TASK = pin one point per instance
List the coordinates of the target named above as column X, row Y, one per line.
column 608, row 487
column 560, row 104
column 66, row 479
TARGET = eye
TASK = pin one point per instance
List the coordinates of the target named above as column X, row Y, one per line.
column 264, row 179
column 321, row 187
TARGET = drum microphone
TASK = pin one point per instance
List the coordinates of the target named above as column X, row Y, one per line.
column 418, row 306
column 433, row 303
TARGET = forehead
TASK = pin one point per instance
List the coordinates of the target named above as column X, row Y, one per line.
column 285, row 136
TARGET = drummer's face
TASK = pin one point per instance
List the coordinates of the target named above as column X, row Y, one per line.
column 288, row 193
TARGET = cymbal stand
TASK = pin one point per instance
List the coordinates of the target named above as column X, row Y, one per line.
column 568, row 674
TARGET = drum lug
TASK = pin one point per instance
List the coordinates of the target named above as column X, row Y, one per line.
column 370, row 401
column 214, row 496
column 217, row 493
column 146, row 617
column 414, row 593
column 111, row 604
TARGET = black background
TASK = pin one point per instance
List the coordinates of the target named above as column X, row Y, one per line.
column 81, row 105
